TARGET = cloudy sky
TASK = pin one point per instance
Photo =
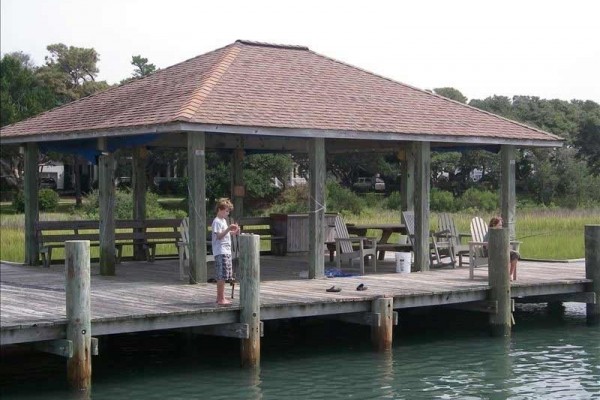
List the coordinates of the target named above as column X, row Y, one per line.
column 549, row 49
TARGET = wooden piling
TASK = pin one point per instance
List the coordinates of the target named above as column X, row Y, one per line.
column 499, row 281
column 592, row 271
column 77, row 282
column 381, row 333
column 250, row 298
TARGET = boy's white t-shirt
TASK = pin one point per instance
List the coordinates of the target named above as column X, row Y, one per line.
column 222, row 246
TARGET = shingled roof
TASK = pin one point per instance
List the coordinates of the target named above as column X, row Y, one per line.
column 253, row 88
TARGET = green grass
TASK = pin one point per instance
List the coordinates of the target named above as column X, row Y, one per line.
column 545, row 234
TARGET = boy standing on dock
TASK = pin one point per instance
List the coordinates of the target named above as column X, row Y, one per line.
column 221, row 247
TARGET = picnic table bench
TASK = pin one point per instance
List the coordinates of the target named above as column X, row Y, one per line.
column 145, row 233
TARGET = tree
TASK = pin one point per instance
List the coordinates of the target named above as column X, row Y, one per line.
column 142, row 68
column 71, row 71
column 22, row 95
column 451, row 93
column 588, row 141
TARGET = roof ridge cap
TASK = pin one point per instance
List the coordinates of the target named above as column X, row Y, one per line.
column 275, row 45
column 206, row 86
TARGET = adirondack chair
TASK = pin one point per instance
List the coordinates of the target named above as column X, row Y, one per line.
column 344, row 251
column 446, row 224
column 438, row 247
column 184, row 249
column 477, row 254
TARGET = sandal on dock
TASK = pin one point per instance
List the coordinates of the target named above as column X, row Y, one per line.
column 334, row 289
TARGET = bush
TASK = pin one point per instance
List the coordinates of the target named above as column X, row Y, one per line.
column 18, row 202
column 340, row 199
column 47, row 201
column 442, row 201
column 124, row 206
column 293, row 199
column 479, row 200
column 394, row 201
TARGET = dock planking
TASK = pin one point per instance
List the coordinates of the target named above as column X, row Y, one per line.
column 149, row 296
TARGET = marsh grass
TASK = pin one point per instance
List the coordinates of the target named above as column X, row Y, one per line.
column 545, row 234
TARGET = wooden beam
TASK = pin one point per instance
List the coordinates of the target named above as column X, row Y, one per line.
column 499, row 281
column 250, row 298
column 30, row 194
column 583, row 297
column 59, row 347
column 508, row 197
column 238, row 189
column 316, row 215
column 79, row 315
column 381, row 334
column 364, row 318
column 422, row 184
column 592, row 270
column 106, row 195
column 197, row 206
column 407, row 181
column 485, row 306
column 235, row 330
column 140, row 187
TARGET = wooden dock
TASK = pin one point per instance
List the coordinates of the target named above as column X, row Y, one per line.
column 149, row 296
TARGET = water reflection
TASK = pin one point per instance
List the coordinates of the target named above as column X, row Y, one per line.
column 544, row 358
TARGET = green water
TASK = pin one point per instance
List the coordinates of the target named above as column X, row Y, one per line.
column 436, row 355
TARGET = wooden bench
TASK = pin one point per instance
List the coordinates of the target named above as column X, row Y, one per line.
column 263, row 226
column 147, row 234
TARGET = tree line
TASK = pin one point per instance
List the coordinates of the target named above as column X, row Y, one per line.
column 567, row 176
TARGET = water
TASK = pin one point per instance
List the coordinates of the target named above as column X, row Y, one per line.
column 549, row 356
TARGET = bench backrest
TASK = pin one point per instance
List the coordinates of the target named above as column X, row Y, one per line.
column 60, row 231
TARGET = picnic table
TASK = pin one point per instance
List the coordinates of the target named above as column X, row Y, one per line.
column 386, row 229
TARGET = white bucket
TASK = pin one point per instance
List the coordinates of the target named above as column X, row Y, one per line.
column 403, row 261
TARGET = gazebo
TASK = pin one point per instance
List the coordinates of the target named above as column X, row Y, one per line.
column 257, row 96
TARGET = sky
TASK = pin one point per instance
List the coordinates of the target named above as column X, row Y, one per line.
column 549, row 49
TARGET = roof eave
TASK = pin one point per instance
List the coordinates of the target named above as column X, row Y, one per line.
column 285, row 132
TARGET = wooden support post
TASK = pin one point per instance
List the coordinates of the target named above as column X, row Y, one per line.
column 250, row 298
column 77, row 271
column 140, row 186
column 30, row 192
column 197, row 206
column 106, row 194
column 592, row 271
column 407, row 181
column 499, row 281
column 238, row 190
column 316, row 215
column 381, row 335
column 422, row 183
column 508, row 197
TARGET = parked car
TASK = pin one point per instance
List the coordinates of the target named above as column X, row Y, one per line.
column 367, row 184
column 47, row 183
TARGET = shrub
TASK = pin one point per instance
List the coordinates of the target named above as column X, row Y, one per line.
column 293, row 199
column 47, row 200
column 480, row 200
column 442, row 201
column 340, row 199
column 124, row 206
column 18, row 202
column 394, row 201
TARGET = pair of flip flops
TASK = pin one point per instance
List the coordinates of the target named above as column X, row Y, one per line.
column 335, row 289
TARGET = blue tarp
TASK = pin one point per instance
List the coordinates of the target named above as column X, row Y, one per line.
column 87, row 148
